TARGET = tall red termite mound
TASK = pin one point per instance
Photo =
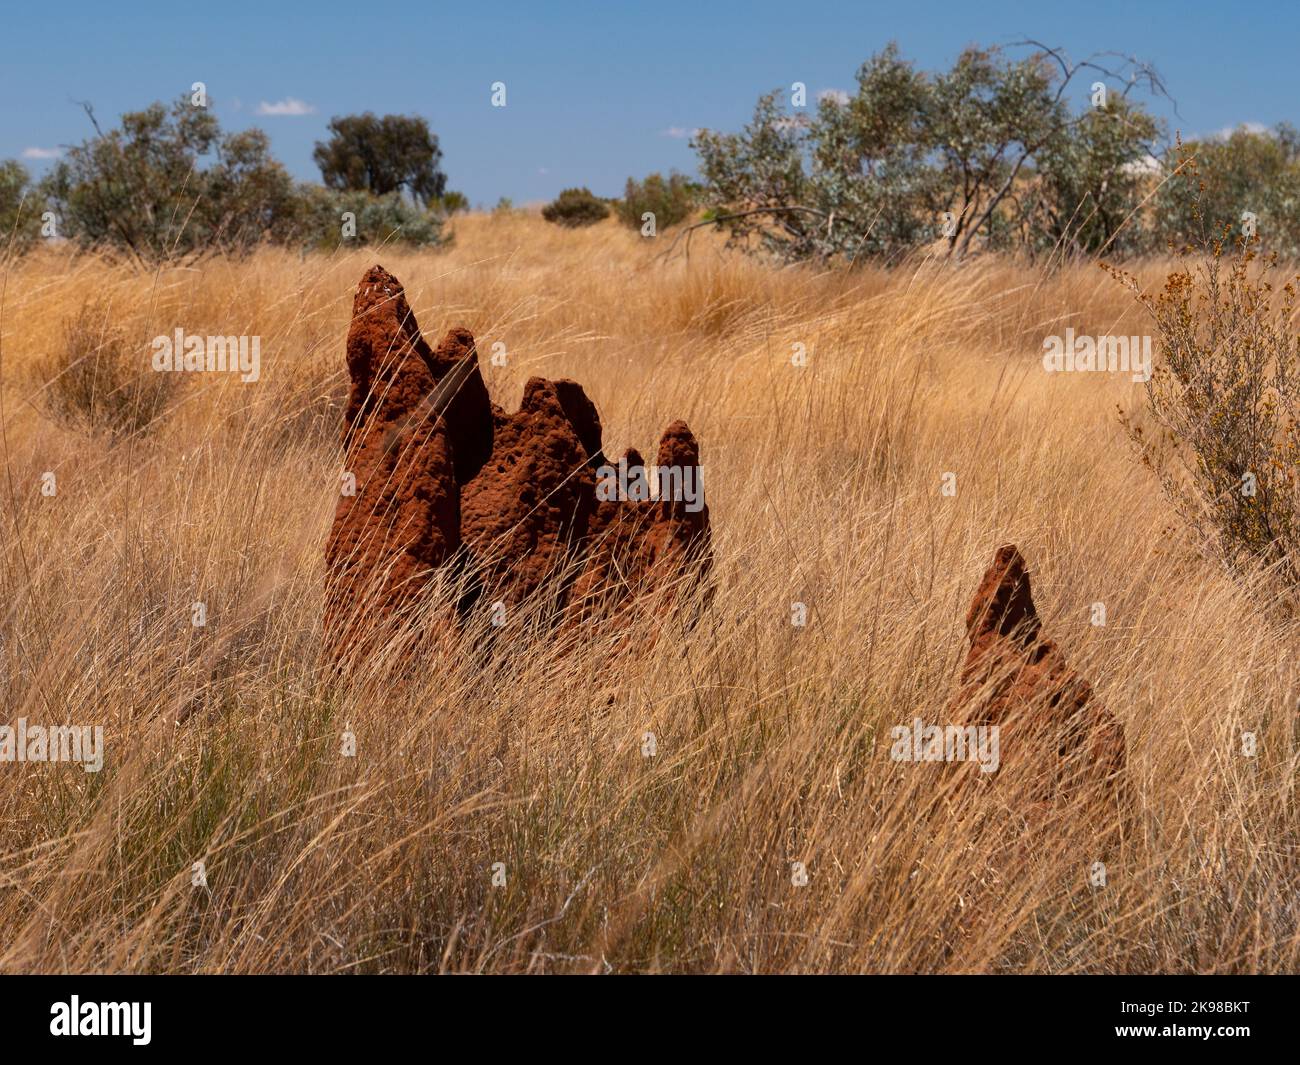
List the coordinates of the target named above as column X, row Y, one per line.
column 527, row 512
column 398, row 515
column 635, row 542
column 1053, row 733
column 446, row 479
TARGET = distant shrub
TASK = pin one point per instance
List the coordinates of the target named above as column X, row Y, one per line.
column 576, row 207
column 453, row 202
column 670, row 201
column 388, row 219
column 101, row 382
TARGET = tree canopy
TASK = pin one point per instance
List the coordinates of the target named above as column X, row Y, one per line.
column 392, row 153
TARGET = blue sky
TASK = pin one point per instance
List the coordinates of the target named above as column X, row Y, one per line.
column 595, row 91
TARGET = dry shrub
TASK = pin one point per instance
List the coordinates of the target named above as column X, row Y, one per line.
column 1226, row 395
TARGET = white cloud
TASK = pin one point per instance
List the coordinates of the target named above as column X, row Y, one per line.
column 678, row 132
column 288, row 106
column 1228, row 131
column 1148, row 164
column 838, row 95
column 41, row 153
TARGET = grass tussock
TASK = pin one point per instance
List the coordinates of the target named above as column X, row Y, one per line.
column 96, row 380
column 524, row 762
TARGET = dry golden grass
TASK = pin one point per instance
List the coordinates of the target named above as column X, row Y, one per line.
column 772, row 740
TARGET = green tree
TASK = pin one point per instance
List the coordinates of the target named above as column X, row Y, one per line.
column 987, row 118
column 144, row 187
column 1092, row 180
column 393, row 153
column 20, row 208
column 1248, row 173
column 248, row 195
column 910, row 158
